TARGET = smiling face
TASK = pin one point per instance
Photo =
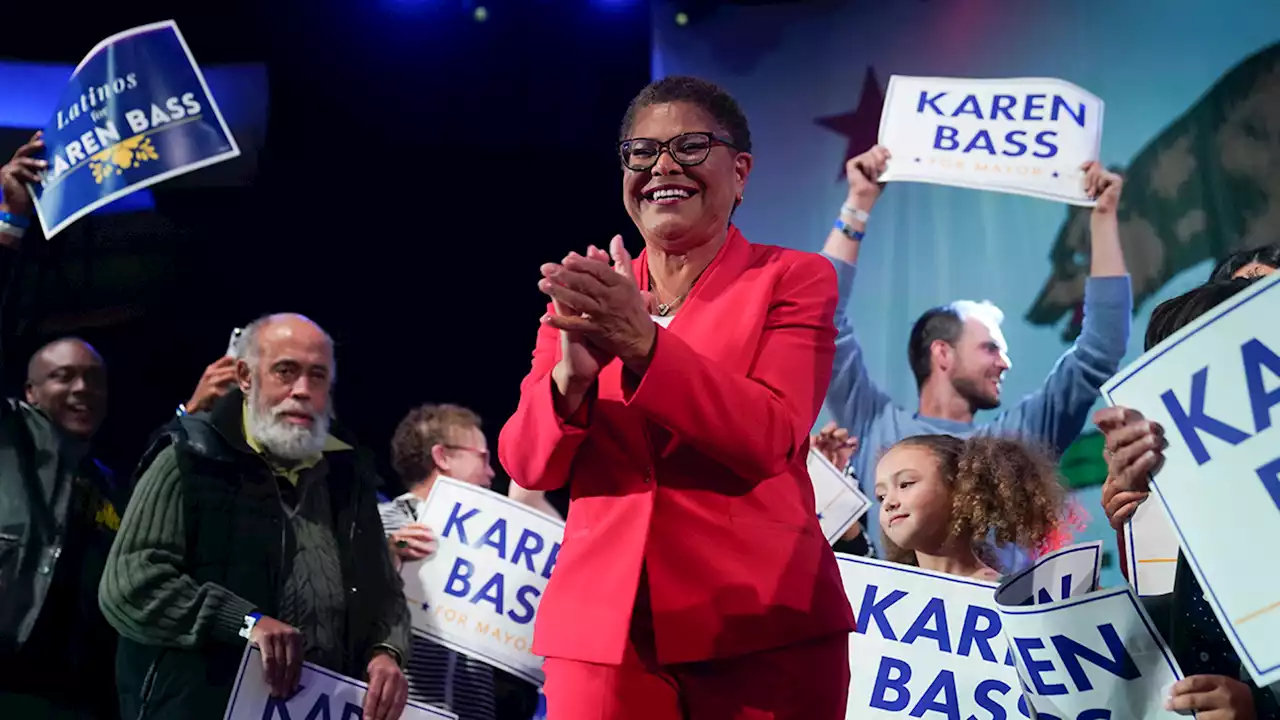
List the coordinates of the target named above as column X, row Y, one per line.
column 979, row 363
column 675, row 206
column 68, row 381
column 915, row 500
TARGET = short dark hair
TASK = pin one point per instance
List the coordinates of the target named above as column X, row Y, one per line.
column 1172, row 315
column 944, row 323
column 1268, row 255
column 422, row 429
column 38, row 355
column 711, row 98
column 940, row 323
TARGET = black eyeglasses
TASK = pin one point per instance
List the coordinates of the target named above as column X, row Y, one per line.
column 688, row 149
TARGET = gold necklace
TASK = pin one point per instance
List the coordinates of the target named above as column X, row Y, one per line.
column 665, row 308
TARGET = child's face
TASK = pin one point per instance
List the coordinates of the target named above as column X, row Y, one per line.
column 915, row 502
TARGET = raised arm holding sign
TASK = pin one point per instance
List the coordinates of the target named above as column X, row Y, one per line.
column 958, row 354
column 135, row 112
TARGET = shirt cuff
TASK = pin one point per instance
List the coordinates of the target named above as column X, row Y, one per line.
column 391, row 650
column 230, row 616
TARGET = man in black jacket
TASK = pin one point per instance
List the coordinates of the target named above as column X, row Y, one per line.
column 59, row 511
column 254, row 520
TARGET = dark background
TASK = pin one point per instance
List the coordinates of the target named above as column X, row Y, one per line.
column 418, row 167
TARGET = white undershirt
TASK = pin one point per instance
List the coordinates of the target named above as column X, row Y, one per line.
column 664, row 321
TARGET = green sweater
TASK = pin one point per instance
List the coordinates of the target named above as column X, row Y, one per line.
column 144, row 594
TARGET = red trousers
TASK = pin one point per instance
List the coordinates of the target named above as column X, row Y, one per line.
column 807, row 681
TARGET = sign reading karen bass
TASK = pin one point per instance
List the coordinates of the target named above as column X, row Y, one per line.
column 837, row 498
column 478, row 592
column 1046, row 644
column 321, row 694
column 1214, row 386
column 1027, row 136
column 136, row 111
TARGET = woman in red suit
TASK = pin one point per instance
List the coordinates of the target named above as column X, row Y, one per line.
column 674, row 395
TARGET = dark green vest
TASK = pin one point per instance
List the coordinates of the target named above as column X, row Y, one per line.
column 237, row 536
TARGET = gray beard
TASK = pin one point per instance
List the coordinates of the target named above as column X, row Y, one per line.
column 283, row 439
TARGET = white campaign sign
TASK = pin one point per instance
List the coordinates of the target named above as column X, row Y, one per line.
column 839, row 501
column 927, row 645
column 478, row 593
column 931, row 643
column 1064, row 573
column 1084, row 653
column 1213, row 387
column 322, row 694
column 1150, row 550
column 1027, row 136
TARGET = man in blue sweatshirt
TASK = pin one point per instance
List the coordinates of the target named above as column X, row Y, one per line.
column 958, row 354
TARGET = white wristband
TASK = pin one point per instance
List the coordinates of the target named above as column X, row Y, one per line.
column 861, row 216
column 11, row 229
column 250, row 620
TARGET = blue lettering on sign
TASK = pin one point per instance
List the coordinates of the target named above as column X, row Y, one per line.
column 1065, row 590
column 1256, row 356
column 1033, row 107
column 947, row 138
column 1070, row 653
column 279, row 707
column 457, row 522
column 1014, row 143
column 1191, row 421
column 527, row 546
column 891, row 692
column 1269, row 474
column 981, row 625
column 462, row 581
column 493, row 592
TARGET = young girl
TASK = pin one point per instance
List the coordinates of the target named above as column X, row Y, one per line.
column 942, row 499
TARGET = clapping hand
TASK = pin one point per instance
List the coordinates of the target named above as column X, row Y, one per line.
column 600, row 311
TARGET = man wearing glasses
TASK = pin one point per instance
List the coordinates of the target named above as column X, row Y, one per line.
column 431, row 441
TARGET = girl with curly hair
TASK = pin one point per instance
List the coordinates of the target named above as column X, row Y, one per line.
column 943, row 499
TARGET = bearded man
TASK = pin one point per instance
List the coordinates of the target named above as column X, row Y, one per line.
column 255, row 521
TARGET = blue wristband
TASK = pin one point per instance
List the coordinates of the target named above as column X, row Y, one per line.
column 249, row 621
column 849, row 232
column 14, row 220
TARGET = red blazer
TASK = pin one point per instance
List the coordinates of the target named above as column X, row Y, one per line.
column 698, row 472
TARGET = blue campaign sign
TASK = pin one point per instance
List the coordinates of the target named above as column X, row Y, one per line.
column 136, row 111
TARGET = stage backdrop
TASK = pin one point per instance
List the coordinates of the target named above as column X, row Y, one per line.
column 1192, row 117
